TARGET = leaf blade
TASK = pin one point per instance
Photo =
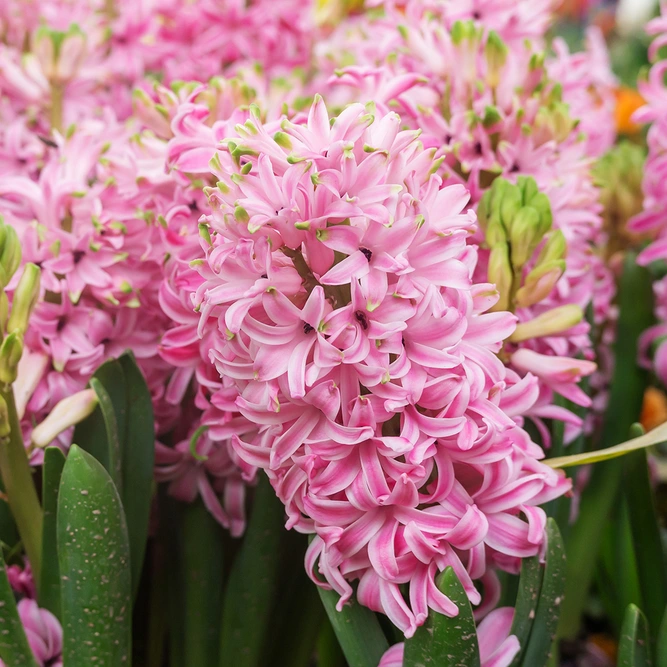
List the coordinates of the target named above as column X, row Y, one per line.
column 443, row 640
column 357, row 629
column 49, row 593
column 95, row 588
column 548, row 608
column 137, row 462
column 633, row 647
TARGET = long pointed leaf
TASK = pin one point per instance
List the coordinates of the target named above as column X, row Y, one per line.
column 49, row 592
column 137, row 461
column 661, row 659
column 94, row 557
column 634, row 648
column 357, row 629
column 548, row 609
column 645, row 526
column 530, row 585
column 201, row 577
column 253, row 583
column 99, row 433
column 14, row 647
column 443, row 640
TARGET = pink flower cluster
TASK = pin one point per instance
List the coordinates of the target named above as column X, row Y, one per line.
column 310, row 295
column 653, row 219
column 339, row 286
column 493, row 108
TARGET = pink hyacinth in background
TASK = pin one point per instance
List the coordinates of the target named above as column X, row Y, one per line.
column 652, row 220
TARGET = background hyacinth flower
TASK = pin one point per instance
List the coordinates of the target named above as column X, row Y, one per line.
column 340, row 278
column 45, row 636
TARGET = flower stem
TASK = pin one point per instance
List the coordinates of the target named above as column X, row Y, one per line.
column 20, row 488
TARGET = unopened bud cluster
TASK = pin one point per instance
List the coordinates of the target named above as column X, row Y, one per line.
column 527, row 255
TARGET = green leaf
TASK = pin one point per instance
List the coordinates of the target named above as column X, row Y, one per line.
column 634, row 648
column 530, row 585
column 645, row 527
column 137, row 462
column 8, row 533
column 99, row 434
column 600, row 494
column 297, row 622
column 201, row 576
column 329, row 652
column 357, row 629
column 14, row 647
column 49, row 592
column 94, row 555
column 443, row 640
column 253, row 581
column 548, row 609
column 661, row 660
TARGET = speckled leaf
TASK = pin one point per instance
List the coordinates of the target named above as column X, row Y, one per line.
column 530, row 585
column 137, row 460
column 49, row 591
column 633, row 646
column 14, row 648
column 548, row 609
column 357, row 630
column 443, row 640
column 93, row 554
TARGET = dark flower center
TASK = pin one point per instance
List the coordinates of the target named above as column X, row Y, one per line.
column 478, row 148
column 307, row 328
column 77, row 256
column 367, row 253
column 360, row 316
column 62, row 321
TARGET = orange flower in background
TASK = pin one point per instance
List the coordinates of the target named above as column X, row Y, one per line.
column 654, row 409
column 628, row 100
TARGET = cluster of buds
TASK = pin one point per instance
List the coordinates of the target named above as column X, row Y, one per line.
column 14, row 318
column 527, row 256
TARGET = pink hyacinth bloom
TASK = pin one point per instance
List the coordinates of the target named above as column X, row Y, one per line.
column 338, row 280
column 45, row 636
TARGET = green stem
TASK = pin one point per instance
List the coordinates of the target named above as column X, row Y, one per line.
column 20, row 488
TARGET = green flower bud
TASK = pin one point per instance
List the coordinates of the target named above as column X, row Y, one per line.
column 495, row 231
column 10, row 255
column 500, row 273
column 25, row 298
column 555, row 248
column 539, row 283
column 5, row 428
column 552, row 322
column 495, row 52
column 528, row 187
column 10, row 355
column 510, row 205
column 525, row 235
